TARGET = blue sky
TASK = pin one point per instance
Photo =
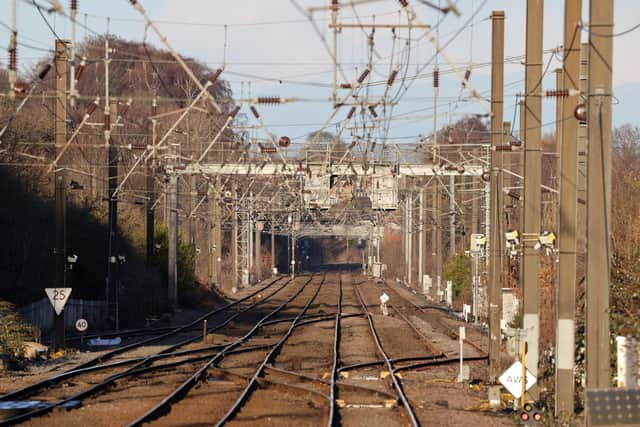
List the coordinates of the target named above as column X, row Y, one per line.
column 272, row 39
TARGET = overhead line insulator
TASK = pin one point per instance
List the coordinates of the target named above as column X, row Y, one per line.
column 45, row 70
column 92, row 108
column 364, row 75
column 436, row 77
column 215, row 76
column 13, row 58
column 351, row 112
column 506, row 147
column 80, row 69
column 107, row 122
column 255, row 112
column 267, row 148
column 234, row 112
column 269, row 100
column 467, row 75
column 514, row 195
column 125, row 109
column 557, row 93
column 392, row 77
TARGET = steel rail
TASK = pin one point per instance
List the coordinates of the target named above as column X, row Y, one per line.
column 83, row 367
column 423, row 309
column 134, row 370
column 392, row 373
column 421, row 361
column 328, row 383
column 333, row 392
column 440, row 362
column 244, row 396
column 417, row 331
column 128, row 333
column 164, row 406
column 227, row 372
column 156, row 338
column 130, row 373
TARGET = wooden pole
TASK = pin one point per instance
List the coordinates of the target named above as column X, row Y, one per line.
column 495, row 239
column 567, row 138
column 599, row 193
column 60, row 179
column 532, row 183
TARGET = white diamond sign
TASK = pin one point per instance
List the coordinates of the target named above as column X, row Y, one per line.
column 512, row 379
column 58, row 298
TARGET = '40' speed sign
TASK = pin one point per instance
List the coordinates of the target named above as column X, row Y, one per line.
column 82, row 325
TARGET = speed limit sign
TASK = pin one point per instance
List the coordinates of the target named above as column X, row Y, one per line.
column 82, row 325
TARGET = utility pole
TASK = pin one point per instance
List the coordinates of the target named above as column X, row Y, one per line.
column 420, row 238
column 172, row 268
column 475, row 205
column 599, row 193
column 217, row 232
column 234, row 238
column 405, row 237
column 60, row 180
column 13, row 51
column 193, row 196
column 335, row 6
column 452, row 216
column 112, row 170
column 258, row 245
column 151, row 189
column 425, row 234
column 273, row 243
column 532, row 182
column 72, row 73
column 581, row 230
column 215, row 249
column 567, row 137
column 439, row 230
column 248, row 238
column 410, row 238
column 495, row 240
column 517, row 165
column 211, row 248
column 293, row 246
column 435, row 237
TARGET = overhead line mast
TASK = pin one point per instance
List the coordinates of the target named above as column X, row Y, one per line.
column 495, row 197
column 532, row 181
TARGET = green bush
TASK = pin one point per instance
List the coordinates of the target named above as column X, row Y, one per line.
column 13, row 331
column 186, row 258
column 458, row 270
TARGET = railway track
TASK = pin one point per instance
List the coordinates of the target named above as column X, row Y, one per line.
column 410, row 306
column 181, row 392
column 314, row 351
column 133, row 366
column 388, row 362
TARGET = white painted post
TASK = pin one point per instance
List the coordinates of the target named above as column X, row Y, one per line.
column 449, row 293
column 627, row 351
column 426, row 285
column 466, row 309
column 464, row 370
